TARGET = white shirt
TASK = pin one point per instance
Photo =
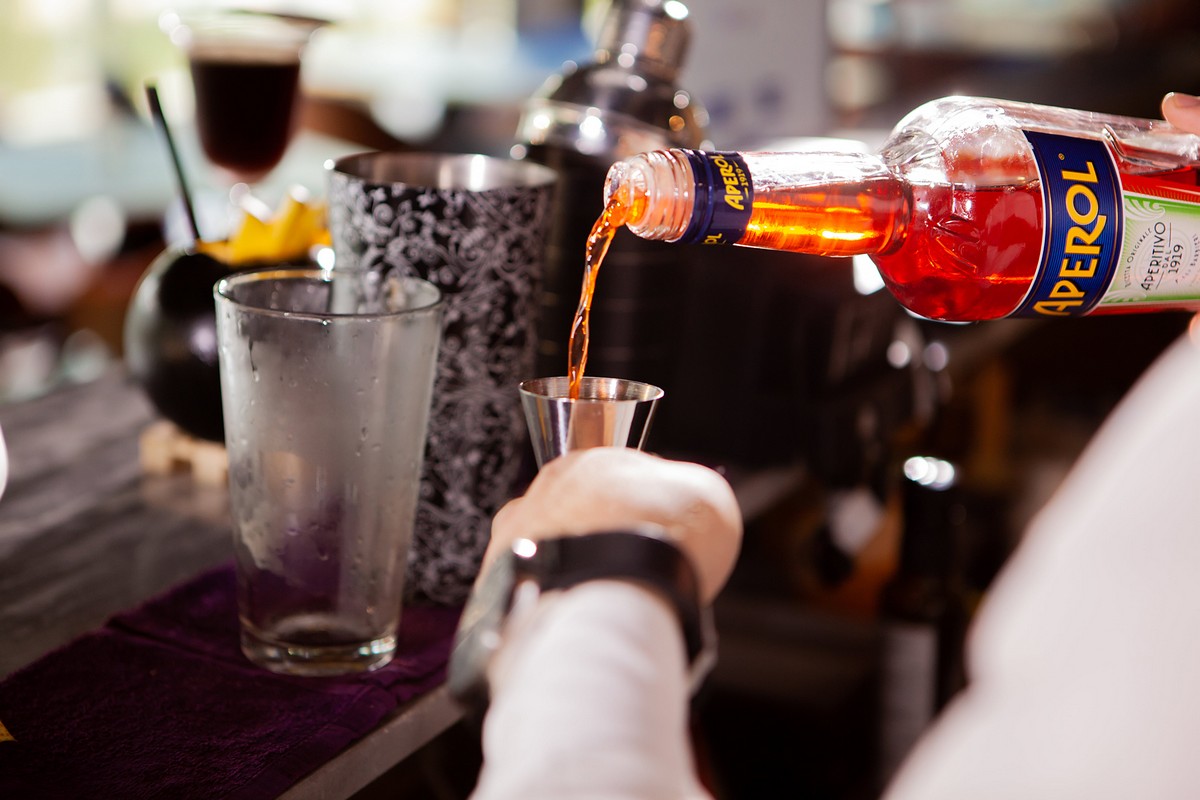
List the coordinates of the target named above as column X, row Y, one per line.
column 590, row 700
column 1085, row 661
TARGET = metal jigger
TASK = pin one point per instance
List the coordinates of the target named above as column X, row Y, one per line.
column 611, row 412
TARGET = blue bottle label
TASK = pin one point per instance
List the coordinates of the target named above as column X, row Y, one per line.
column 724, row 196
column 1081, row 242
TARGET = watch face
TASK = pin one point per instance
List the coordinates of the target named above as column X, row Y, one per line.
column 478, row 636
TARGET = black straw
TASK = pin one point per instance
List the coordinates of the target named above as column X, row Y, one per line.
column 160, row 120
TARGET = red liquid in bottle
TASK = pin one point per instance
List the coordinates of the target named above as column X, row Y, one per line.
column 961, row 253
column 968, row 254
column 945, row 252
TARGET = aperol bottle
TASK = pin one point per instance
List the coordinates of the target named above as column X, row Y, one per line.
column 973, row 209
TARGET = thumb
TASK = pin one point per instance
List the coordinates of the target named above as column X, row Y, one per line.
column 1182, row 111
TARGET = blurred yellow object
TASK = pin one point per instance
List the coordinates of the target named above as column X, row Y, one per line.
column 287, row 235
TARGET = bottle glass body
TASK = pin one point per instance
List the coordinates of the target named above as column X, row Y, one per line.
column 960, row 209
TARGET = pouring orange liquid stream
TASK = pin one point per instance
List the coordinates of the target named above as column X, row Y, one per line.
column 615, row 213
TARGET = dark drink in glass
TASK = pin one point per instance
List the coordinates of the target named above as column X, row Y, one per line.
column 246, row 76
column 245, row 109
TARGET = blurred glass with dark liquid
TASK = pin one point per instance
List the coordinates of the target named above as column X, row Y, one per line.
column 245, row 72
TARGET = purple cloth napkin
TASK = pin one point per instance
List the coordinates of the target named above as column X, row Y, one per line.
column 161, row 703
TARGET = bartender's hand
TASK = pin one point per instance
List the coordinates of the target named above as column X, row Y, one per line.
column 610, row 488
column 1182, row 111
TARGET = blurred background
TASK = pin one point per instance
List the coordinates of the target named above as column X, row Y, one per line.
column 800, row 379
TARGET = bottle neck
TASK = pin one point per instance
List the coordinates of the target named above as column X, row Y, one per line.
column 817, row 202
column 656, row 190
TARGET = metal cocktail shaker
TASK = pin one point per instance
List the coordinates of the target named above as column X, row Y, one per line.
column 583, row 120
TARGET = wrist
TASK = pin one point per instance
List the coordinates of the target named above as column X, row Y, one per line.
column 582, row 624
column 529, row 575
column 593, row 677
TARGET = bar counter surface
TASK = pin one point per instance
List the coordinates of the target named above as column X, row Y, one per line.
column 84, row 534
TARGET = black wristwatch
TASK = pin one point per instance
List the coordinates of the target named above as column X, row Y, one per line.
column 560, row 563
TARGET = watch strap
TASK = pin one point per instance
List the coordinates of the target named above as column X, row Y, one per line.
column 552, row 564
column 635, row 556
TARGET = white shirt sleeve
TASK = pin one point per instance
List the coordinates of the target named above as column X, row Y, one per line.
column 589, row 700
column 1084, row 664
